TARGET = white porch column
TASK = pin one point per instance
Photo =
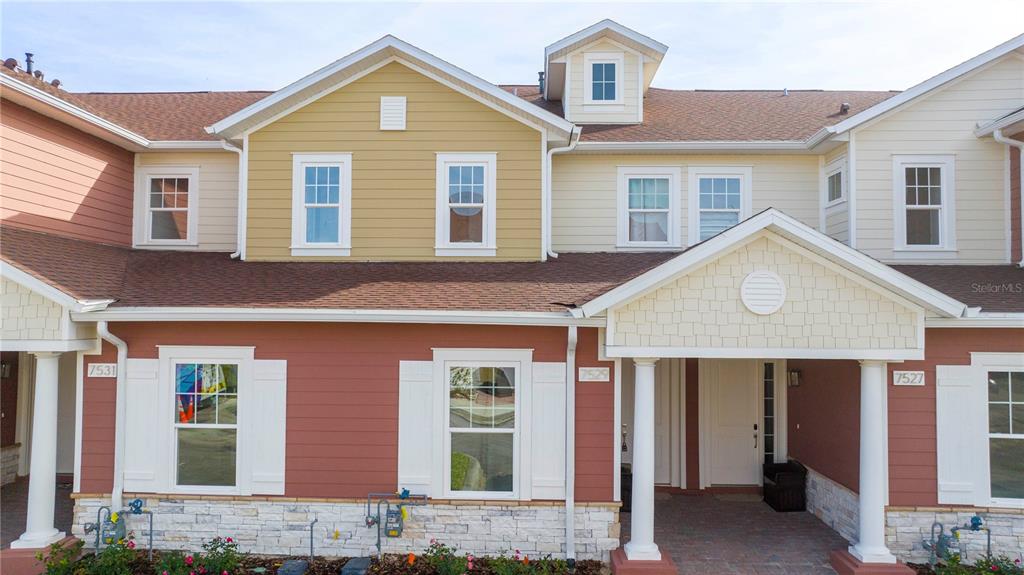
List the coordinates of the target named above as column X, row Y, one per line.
column 42, row 483
column 641, row 544
column 870, row 547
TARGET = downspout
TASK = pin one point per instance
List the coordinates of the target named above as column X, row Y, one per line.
column 570, row 447
column 239, row 223
column 120, row 413
column 999, row 137
column 574, row 138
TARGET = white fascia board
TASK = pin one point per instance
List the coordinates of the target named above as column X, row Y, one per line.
column 337, row 315
column 766, row 353
column 602, row 26
column 929, row 85
column 984, row 320
column 388, row 42
column 67, row 107
column 54, row 345
column 186, row 145
column 46, row 290
column 999, row 123
column 756, row 145
column 775, row 220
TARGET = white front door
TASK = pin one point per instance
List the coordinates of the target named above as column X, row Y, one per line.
column 732, row 386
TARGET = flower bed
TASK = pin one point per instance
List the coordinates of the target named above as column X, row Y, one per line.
column 995, row 566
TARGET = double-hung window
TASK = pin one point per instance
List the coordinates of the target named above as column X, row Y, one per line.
column 835, row 183
column 466, row 216
column 1006, row 434
column 923, row 203
column 603, row 77
column 206, row 423
column 482, row 426
column 167, row 200
column 648, row 207
column 321, row 204
column 719, row 199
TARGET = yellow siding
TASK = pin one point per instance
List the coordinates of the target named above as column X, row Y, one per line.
column 393, row 172
column 630, row 89
column 943, row 123
column 584, row 192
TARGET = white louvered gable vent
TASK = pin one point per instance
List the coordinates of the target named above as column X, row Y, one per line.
column 763, row 292
column 392, row 112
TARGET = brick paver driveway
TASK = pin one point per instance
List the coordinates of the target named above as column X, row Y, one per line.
column 738, row 534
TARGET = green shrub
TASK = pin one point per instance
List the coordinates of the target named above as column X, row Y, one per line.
column 173, row 563
column 114, row 559
column 444, row 560
column 62, row 559
column 220, row 555
column 1001, row 565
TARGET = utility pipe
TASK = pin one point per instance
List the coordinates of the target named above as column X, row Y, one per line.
column 574, row 138
column 999, row 137
column 120, row 413
column 240, row 221
column 570, row 446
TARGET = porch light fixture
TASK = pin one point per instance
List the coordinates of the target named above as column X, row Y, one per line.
column 794, row 378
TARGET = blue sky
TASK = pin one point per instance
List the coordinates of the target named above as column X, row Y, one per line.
column 148, row 46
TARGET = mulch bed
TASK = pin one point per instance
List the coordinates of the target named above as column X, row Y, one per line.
column 319, row 566
column 921, row 568
column 398, row 565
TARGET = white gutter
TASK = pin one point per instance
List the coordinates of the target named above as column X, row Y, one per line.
column 711, row 146
column 570, row 445
column 337, row 316
column 998, row 136
column 120, row 413
column 546, row 192
column 989, row 320
column 240, row 222
column 184, row 145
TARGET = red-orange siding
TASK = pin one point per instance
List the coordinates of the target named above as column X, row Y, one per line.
column 342, row 428
column 57, row 179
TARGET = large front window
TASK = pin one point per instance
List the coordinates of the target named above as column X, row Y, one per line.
column 1006, row 433
column 482, row 427
column 321, row 204
column 206, row 423
column 466, row 204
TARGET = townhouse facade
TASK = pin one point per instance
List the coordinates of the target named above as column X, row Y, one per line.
column 252, row 309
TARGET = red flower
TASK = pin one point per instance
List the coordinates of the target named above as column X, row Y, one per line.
column 230, row 540
column 994, row 568
column 131, row 544
column 188, row 560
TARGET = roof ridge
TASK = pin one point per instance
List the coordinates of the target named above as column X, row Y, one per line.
column 172, row 92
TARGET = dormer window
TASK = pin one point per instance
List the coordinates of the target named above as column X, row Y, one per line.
column 603, row 77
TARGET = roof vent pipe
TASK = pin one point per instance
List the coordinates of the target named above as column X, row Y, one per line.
column 844, row 108
column 785, row 91
column 29, row 62
column 540, row 81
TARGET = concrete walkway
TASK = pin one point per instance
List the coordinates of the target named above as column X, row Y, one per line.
column 13, row 500
column 739, row 535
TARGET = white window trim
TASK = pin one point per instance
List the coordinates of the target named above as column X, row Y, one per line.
column 299, row 246
column 947, row 220
column 983, row 363
column 169, row 356
column 444, row 247
column 142, row 224
column 522, row 359
column 589, row 58
column 674, row 175
column 745, row 173
column 837, row 166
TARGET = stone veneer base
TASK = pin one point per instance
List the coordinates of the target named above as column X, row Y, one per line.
column 9, row 455
column 280, row 526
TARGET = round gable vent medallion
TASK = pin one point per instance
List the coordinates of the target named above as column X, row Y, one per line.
column 763, row 292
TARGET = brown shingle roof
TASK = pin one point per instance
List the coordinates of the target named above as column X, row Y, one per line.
column 138, row 278
column 729, row 116
column 992, row 288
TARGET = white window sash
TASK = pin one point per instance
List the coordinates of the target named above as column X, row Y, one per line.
column 299, row 245
column 836, row 168
column 698, row 173
column 984, row 363
column 443, row 245
column 591, row 58
column 627, row 173
column 143, row 233
column 946, row 209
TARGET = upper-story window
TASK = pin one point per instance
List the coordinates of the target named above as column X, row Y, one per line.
column 719, row 199
column 648, row 207
column 167, row 203
column 466, row 187
column 321, row 204
column 835, row 182
column 603, row 77
column 923, row 202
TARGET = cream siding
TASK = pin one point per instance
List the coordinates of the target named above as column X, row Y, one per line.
column 943, row 123
column 24, row 314
column 823, row 309
column 585, row 187
column 837, row 217
column 579, row 112
column 393, row 172
column 218, row 195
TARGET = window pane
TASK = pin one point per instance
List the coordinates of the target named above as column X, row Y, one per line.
column 206, row 456
column 453, row 175
column 598, row 71
column 322, row 225
column 609, row 90
column 227, row 409
column 598, row 91
column 648, row 227
column 769, row 426
column 769, row 407
column 310, row 175
column 999, row 418
column 712, row 223
column 1017, row 419
column 1007, row 464
column 705, row 186
column 482, row 462
column 206, row 409
column 466, row 225
column 733, row 186
column 185, row 378
column 911, row 176
column 1017, row 385
column 185, row 408
column 923, row 227
column 999, row 386
column 171, row 225
column 333, row 175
